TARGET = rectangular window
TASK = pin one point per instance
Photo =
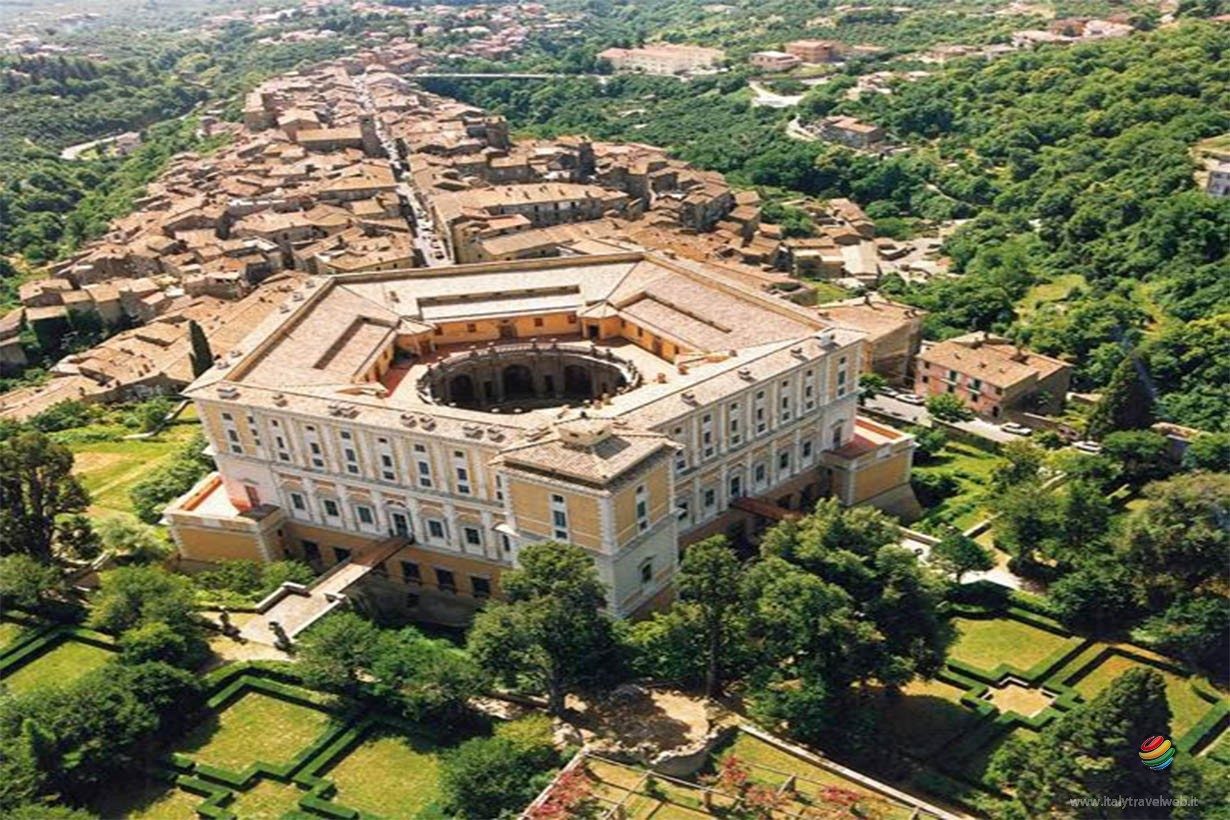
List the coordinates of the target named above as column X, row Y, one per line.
column 736, row 486
column 642, row 509
column 445, row 580
column 366, row 517
column 646, row 571
column 559, row 518
column 481, row 587
column 709, row 497
column 435, row 529
column 423, row 466
column 735, row 431
column 386, row 467
column 410, row 573
column 681, row 456
column 809, row 390
column 330, row 507
column 783, row 461
column 706, row 436
column 341, row 554
column 311, row 551
column 807, row 451
column 298, row 502
column 786, row 411
column 473, row 536
column 760, row 474
column 254, row 431
column 762, row 423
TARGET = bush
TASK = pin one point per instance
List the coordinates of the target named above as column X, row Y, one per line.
column 932, row 488
column 156, row 641
column 487, row 776
column 246, row 582
column 151, row 494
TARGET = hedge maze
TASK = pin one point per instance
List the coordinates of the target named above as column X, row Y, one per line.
column 1073, row 671
column 273, row 773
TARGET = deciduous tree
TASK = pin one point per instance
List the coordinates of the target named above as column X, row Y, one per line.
column 36, row 486
column 550, row 632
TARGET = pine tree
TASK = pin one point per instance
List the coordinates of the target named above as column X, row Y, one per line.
column 1127, row 402
column 202, row 357
column 1092, row 752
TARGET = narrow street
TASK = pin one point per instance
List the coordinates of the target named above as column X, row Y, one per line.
column 431, row 244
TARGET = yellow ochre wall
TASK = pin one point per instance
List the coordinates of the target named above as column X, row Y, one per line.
column 656, row 486
column 531, row 503
column 485, row 330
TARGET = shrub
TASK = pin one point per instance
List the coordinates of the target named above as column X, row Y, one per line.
column 487, row 776
column 932, row 488
column 156, row 641
column 151, row 494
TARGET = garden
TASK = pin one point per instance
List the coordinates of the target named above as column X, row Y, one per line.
column 1009, row 674
column 745, row 769
column 35, row 654
column 268, row 747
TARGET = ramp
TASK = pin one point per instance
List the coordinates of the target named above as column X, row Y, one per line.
column 295, row 607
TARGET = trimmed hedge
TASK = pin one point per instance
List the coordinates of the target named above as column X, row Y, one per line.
column 31, row 649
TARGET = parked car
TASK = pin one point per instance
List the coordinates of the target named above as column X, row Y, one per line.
column 1091, row 447
column 1016, row 429
column 911, row 398
column 891, row 392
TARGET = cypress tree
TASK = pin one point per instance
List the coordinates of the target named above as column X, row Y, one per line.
column 1127, row 403
column 202, row 357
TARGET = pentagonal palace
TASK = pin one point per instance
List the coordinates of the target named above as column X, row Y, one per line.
column 420, row 426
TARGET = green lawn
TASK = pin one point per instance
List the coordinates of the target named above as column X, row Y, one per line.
column 826, row 291
column 67, row 661
column 972, row 468
column 925, row 714
column 256, row 727
column 986, row 643
column 12, row 629
column 267, row 800
column 1186, row 706
column 389, row 775
column 755, row 752
column 1055, row 290
column 109, row 469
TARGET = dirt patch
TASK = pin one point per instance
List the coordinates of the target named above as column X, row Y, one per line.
column 1015, row 697
column 635, row 717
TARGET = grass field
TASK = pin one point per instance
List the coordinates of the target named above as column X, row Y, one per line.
column 256, row 727
column 755, row 752
column 65, row 662
column 11, row 631
column 925, row 714
column 109, row 469
column 972, row 468
column 1186, row 706
column 1055, row 290
column 267, row 800
column 986, row 643
column 389, row 775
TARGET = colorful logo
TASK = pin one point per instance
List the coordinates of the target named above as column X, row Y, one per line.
column 1156, row 752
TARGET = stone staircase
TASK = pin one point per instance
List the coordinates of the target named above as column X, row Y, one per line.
column 292, row 608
